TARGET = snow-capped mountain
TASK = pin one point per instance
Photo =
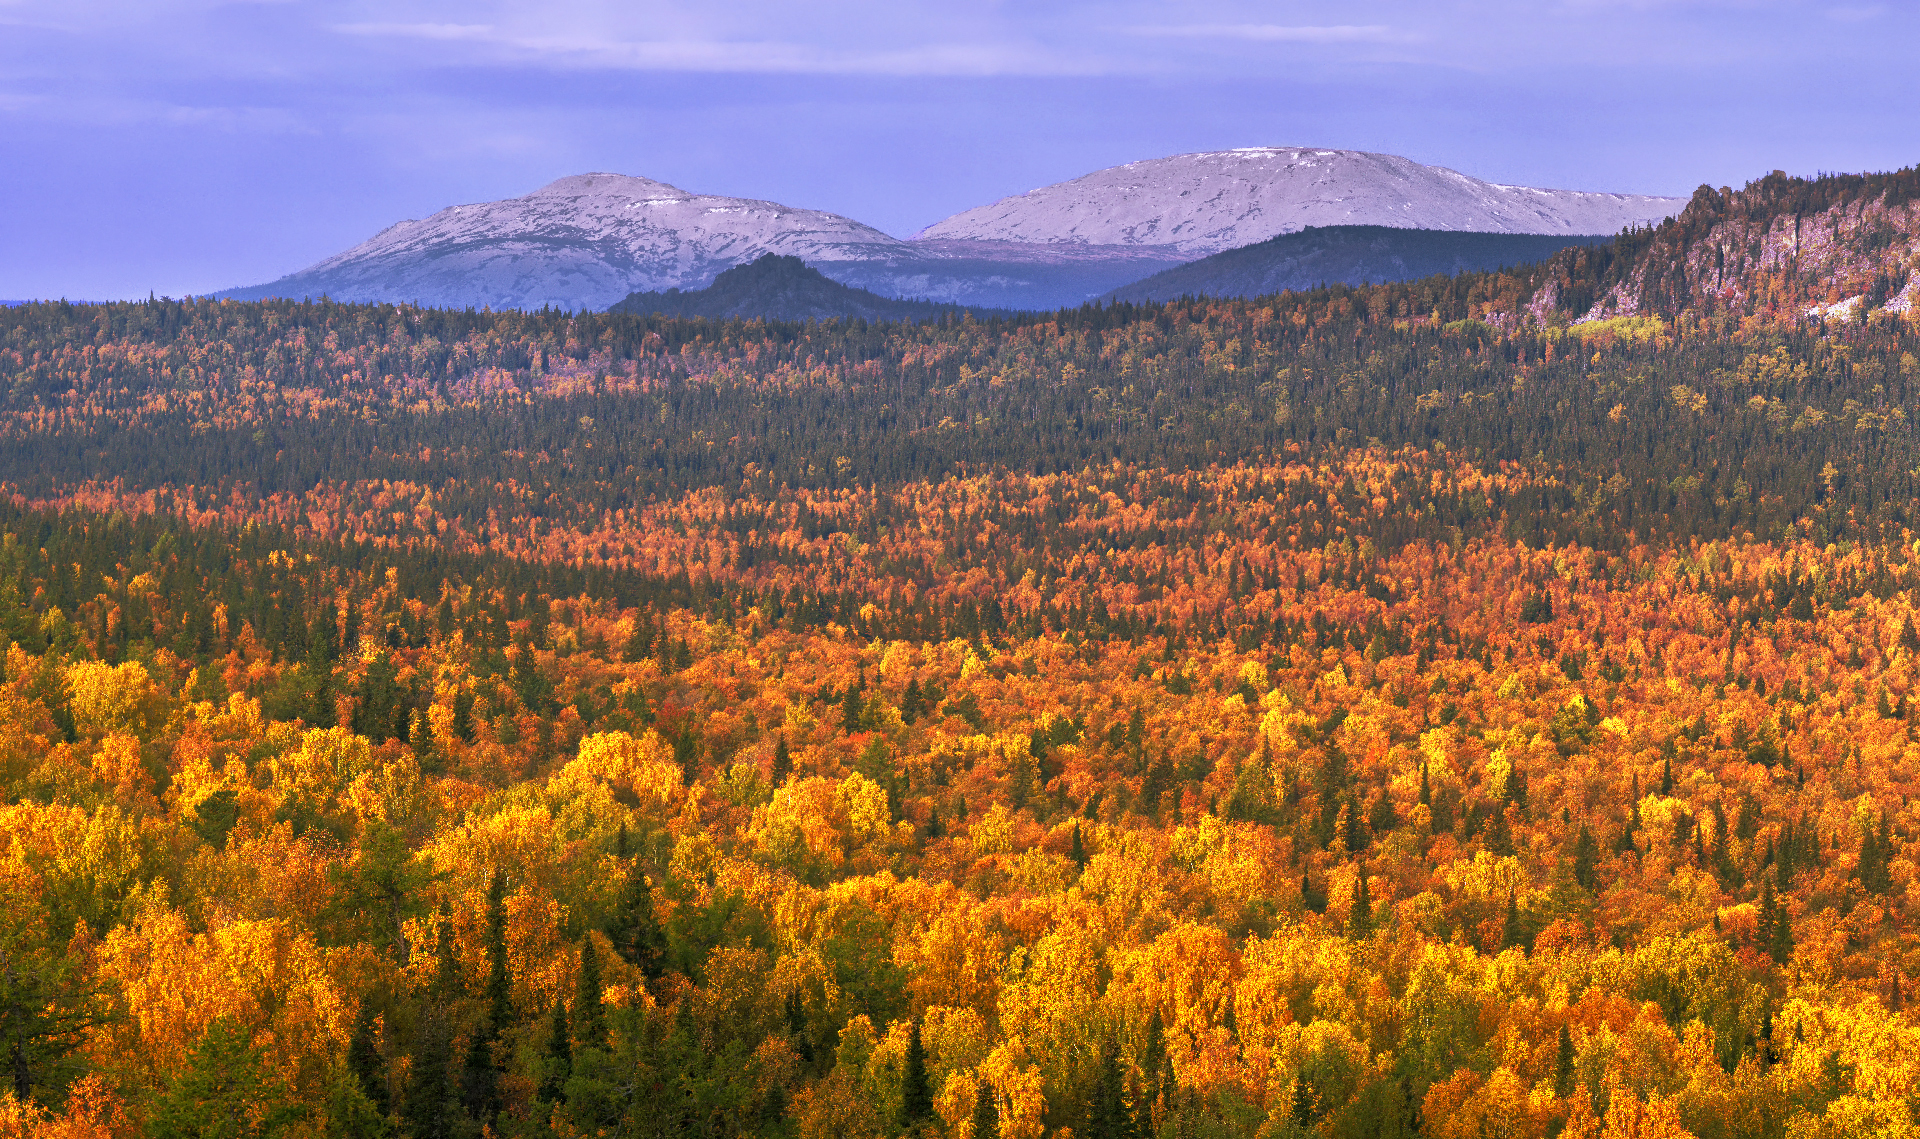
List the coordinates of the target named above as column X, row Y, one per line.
column 588, row 241
column 1204, row 203
column 581, row 242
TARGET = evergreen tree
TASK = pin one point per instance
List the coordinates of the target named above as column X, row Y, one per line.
column 428, row 1110
column 1563, row 1065
column 1586, row 855
column 225, row 1092
column 1360, row 920
column 1077, row 851
column 1107, row 1114
column 557, row 1064
column 782, row 761
column 986, row 1113
column 1512, row 933
column 635, row 929
column 589, row 1012
column 916, row 1094
column 366, row 1063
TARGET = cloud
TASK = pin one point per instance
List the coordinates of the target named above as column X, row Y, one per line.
column 1275, row 33
column 744, row 56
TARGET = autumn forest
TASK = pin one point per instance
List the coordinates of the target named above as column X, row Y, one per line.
column 1475, row 707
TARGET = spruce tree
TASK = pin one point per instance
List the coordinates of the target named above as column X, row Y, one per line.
column 916, row 1094
column 635, row 929
column 986, row 1113
column 1563, row 1065
column 429, row 1110
column 366, row 1063
column 589, row 1013
column 1586, row 855
column 557, row 1065
column 1360, row 920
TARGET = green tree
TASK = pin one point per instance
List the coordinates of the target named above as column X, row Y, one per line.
column 589, row 1013
column 916, row 1094
column 225, row 1092
column 986, row 1113
column 366, row 1063
column 429, row 1109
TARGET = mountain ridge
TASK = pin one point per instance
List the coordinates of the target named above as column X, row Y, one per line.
column 1347, row 255
column 1207, row 202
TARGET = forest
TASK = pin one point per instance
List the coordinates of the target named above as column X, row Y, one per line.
column 1482, row 706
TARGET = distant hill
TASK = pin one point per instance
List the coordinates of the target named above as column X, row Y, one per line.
column 780, row 288
column 1344, row 255
column 1200, row 204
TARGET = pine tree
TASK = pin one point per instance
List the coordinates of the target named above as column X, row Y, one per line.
column 782, row 760
column 1512, row 933
column 1563, row 1065
column 446, row 965
column 428, row 1111
column 1586, row 855
column 366, row 1063
column 1077, row 851
column 635, row 929
column 557, row 1065
column 589, row 1011
column 1360, row 920
column 916, row 1095
column 986, row 1113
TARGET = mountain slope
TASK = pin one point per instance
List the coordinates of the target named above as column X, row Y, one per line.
column 1839, row 245
column 1205, row 203
column 778, row 288
column 1343, row 254
column 581, row 242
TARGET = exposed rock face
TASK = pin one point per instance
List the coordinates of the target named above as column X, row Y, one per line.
column 1204, row 203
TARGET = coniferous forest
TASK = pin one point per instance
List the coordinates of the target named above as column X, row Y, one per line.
column 1481, row 706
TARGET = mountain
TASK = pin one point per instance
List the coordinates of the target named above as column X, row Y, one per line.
column 1343, row 254
column 581, row 242
column 1200, row 204
column 588, row 241
column 778, row 288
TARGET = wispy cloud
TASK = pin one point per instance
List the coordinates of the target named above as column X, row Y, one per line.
column 1275, row 33
column 745, row 56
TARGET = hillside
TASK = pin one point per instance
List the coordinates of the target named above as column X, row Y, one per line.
column 778, row 288
column 1346, row 255
column 1370, row 711
column 1201, row 204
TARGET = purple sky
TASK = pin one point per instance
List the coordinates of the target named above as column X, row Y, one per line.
column 181, row 146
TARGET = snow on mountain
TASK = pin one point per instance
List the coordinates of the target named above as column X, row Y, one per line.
column 583, row 242
column 1204, row 203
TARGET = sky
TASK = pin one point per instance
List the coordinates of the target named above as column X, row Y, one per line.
column 183, row 146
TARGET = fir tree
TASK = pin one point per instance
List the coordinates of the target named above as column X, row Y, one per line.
column 428, row 1111
column 1586, row 855
column 366, row 1063
column 1360, row 920
column 1563, row 1065
column 557, row 1065
column 589, row 1011
column 986, row 1113
column 916, row 1095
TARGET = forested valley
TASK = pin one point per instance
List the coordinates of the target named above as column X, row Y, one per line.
column 1481, row 706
